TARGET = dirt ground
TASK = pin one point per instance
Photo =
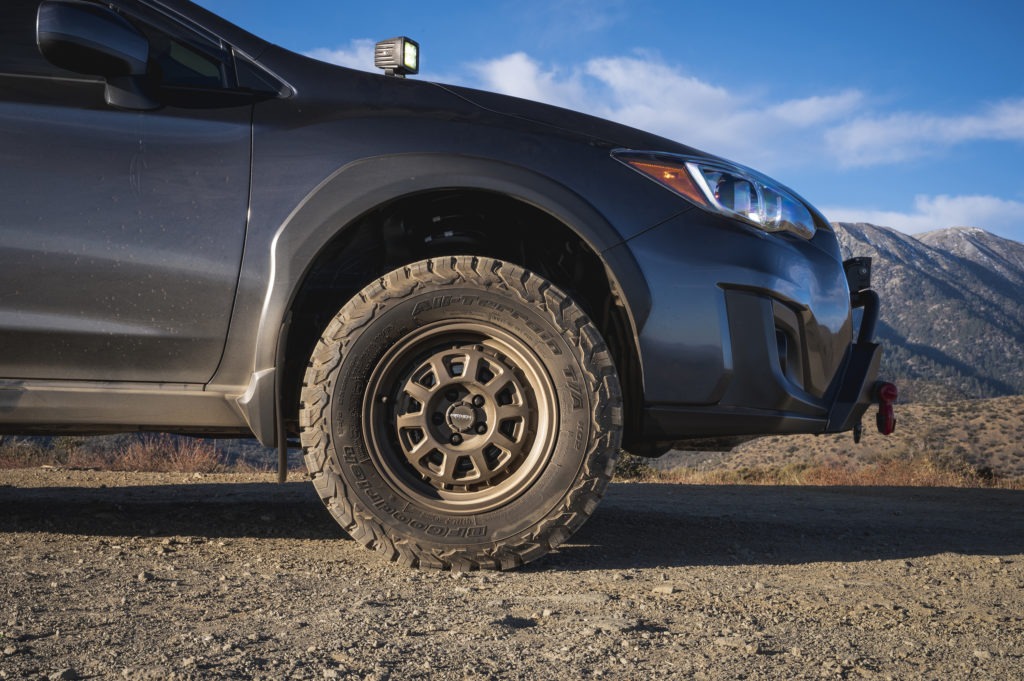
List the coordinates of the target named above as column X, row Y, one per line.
column 160, row 576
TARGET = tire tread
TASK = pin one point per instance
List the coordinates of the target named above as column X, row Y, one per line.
column 598, row 372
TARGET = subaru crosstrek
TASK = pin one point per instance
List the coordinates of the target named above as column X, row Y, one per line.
column 462, row 304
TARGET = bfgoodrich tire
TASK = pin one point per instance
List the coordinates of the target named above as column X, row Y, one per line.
column 461, row 413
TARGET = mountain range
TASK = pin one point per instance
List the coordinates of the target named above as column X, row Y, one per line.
column 952, row 311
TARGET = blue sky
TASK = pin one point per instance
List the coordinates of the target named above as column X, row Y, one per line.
column 905, row 114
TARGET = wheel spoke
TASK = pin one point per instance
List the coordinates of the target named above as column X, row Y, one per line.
column 451, row 460
column 419, row 392
column 512, row 411
column 471, row 366
column 442, row 375
column 495, row 387
column 507, row 439
column 498, row 371
column 411, row 421
column 415, row 452
column 480, row 463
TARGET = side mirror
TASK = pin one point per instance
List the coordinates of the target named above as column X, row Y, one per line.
column 94, row 40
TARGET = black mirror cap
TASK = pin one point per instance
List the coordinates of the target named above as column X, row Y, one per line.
column 90, row 39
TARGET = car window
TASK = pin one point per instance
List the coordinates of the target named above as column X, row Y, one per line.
column 178, row 56
column 177, row 64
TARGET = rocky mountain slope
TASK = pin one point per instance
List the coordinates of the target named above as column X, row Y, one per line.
column 952, row 309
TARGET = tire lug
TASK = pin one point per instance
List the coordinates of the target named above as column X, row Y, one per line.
column 452, row 396
column 481, row 428
column 456, row 439
column 478, row 401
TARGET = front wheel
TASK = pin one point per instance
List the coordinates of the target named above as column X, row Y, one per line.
column 461, row 412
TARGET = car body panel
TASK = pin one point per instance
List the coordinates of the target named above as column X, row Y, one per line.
column 182, row 237
column 123, row 232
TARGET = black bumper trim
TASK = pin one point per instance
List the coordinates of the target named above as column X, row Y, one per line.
column 856, row 392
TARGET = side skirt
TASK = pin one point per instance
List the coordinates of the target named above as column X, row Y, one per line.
column 33, row 407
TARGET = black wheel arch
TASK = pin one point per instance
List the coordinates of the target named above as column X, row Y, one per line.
column 368, row 218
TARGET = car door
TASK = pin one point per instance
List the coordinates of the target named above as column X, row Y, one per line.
column 121, row 231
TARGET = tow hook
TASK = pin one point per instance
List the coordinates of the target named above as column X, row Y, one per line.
column 886, row 394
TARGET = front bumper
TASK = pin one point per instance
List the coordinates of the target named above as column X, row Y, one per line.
column 763, row 397
column 749, row 335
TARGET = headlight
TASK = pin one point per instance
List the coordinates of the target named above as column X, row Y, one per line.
column 725, row 188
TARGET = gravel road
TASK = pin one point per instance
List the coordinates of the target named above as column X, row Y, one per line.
column 160, row 576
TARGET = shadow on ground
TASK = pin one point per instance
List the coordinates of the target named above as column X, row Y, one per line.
column 222, row 510
column 637, row 526
column 651, row 525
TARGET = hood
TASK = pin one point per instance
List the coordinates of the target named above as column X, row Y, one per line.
column 336, row 88
column 597, row 130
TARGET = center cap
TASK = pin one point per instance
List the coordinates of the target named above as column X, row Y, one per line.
column 461, row 417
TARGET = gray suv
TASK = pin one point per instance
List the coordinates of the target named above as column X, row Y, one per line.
column 462, row 304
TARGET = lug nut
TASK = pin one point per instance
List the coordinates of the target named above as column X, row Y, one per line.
column 478, row 401
column 456, row 439
column 481, row 428
column 451, row 395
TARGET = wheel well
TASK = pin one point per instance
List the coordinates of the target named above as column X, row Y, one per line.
column 455, row 222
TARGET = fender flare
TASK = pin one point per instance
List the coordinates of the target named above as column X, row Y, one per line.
column 363, row 185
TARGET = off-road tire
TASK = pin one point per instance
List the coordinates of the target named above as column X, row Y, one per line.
column 514, row 464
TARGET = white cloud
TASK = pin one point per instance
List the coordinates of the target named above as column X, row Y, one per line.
column 520, row 76
column 643, row 92
column 936, row 212
column 816, row 110
column 358, row 55
column 903, row 136
column 656, row 97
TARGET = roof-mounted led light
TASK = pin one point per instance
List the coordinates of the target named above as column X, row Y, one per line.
column 397, row 56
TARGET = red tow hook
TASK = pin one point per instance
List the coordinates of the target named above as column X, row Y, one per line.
column 886, row 394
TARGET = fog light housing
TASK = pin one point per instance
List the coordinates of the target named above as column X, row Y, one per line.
column 397, row 56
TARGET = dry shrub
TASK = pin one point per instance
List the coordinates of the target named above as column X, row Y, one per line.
column 924, row 470
column 782, row 475
column 15, row 453
column 140, row 452
column 919, row 471
column 153, row 453
column 630, row 467
column 247, row 466
column 164, row 453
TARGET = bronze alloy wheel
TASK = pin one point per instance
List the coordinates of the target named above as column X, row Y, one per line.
column 461, row 413
column 460, row 416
